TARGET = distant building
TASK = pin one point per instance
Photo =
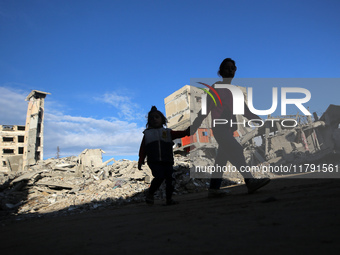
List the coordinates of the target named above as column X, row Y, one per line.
column 22, row 146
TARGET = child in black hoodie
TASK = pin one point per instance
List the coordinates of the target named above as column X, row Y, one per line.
column 157, row 146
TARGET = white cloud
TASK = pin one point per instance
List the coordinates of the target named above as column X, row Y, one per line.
column 75, row 134
column 126, row 107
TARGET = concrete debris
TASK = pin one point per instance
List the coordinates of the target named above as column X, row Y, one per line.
column 66, row 184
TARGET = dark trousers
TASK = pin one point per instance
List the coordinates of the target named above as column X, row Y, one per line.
column 160, row 173
column 228, row 150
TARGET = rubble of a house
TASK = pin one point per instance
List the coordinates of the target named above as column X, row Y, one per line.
column 64, row 185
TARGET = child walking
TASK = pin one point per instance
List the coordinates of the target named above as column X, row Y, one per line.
column 156, row 146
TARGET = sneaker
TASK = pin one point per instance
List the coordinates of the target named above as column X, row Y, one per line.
column 171, row 202
column 149, row 199
column 217, row 193
column 255, row 184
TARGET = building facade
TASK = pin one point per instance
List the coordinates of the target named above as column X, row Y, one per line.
column 12, row 139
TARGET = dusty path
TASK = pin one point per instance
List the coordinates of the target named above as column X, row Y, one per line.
column 289, row 216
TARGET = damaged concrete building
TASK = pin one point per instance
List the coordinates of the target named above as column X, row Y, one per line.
column 22, row 145
column 300, row 140
column 12, row 147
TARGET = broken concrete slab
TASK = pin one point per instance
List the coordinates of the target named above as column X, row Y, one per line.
column 27, row 176
column 54, row 185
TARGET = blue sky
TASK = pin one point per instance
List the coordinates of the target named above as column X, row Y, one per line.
column 106, row 62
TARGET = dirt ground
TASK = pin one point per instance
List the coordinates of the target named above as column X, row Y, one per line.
column 288, row 216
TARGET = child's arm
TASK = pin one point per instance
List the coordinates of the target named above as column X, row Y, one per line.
column 142, row 154
column 180, row 134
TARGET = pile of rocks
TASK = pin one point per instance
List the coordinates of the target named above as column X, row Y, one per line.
column 64, row 185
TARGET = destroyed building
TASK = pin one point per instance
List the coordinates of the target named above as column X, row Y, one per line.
column 22, row 145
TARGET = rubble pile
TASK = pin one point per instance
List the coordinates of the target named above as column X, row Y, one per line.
column 65, row 184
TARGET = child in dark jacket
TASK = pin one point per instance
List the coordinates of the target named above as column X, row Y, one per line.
column 156, row 146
